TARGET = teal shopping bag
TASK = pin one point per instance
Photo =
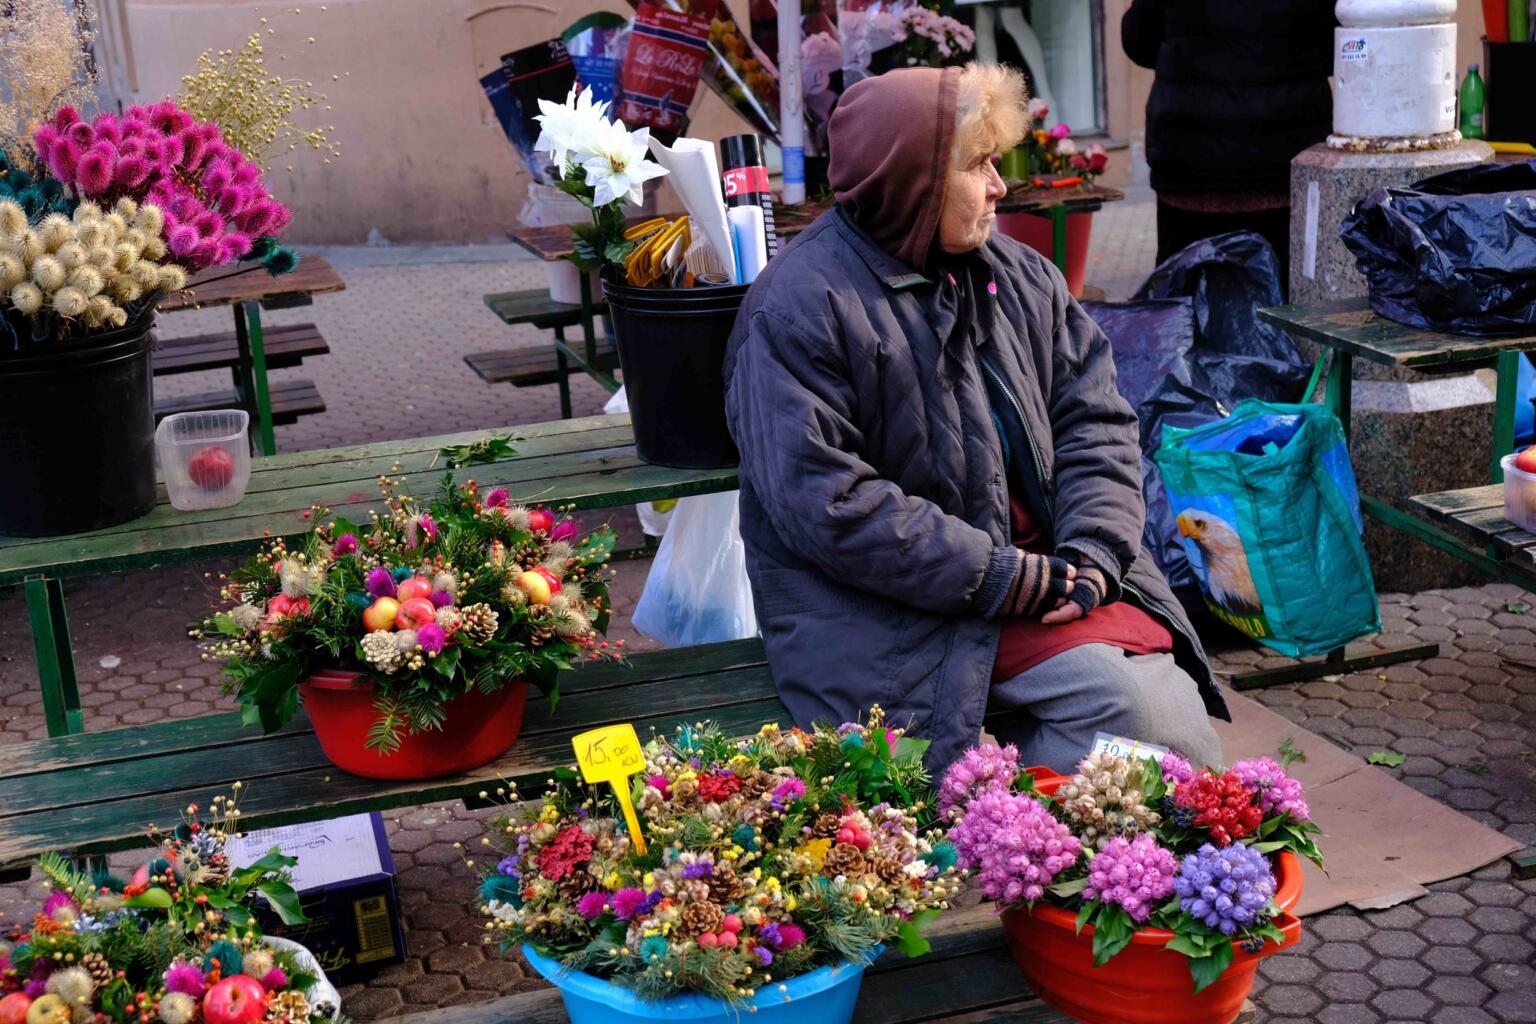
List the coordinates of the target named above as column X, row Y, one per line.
column 1267, row 509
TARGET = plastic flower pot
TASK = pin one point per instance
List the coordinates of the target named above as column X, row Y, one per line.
column 671, row 345
column 77, row 431
column 1035, row 231
column 824, row 996
column 1144, row 983
column 477, row 728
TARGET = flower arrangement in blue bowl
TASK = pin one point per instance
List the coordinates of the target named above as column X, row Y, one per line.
column 769, row 873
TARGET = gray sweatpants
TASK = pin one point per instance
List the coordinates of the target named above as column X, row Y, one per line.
column 1092, row 688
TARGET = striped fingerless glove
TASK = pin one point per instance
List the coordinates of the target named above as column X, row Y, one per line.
column 1041, row 581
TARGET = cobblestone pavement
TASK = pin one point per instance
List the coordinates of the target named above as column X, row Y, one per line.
column 1461, row 955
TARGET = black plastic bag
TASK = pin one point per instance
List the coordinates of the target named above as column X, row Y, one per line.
column 1456, row 252
column 1188, row 348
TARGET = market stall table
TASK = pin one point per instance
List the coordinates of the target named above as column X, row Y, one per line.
column 586, row 463
column 247, row 291
column 1350, row 329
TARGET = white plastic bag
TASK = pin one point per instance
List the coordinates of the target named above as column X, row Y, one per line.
column 654, row 515
column 697, row 592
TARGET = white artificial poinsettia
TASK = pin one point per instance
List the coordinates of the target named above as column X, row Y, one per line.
column 617, row 167
column 566, row 129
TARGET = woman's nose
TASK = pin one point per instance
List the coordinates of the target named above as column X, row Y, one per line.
column 996, row 187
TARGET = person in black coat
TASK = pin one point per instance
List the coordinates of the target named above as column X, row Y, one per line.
column 1241, row 88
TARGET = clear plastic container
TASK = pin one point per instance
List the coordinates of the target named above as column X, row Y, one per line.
column 204, row 457
column 1519, row 494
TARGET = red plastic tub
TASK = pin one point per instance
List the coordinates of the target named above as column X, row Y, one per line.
column 1035, row 232
column 479, row 728
column 1144, row 983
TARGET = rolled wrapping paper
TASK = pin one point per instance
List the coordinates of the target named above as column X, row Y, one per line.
column 751, row 241
column 791, row 104
column 695, row 176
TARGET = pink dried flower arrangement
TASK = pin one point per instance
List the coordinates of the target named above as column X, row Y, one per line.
column 216, row 206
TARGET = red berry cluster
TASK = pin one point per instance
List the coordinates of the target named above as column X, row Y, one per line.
column 1222, row 804
column 719, row 787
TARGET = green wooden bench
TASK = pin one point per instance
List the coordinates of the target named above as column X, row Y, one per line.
column 530, row 367
column 587, row 463
column 287, row 401
column 1474, row 522
column 288, row 345
column 555, row 365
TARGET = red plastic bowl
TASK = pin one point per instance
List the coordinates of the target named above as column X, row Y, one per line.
column 479, row 728
column 1144, row 983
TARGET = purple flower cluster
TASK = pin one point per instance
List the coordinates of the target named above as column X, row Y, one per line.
column 1176, row 769
column 214, row 200
column 978, row 770
column 1133, row 874
column 786, row 793
column 1278, row 792
column 1227, row 888
column 1014, row 843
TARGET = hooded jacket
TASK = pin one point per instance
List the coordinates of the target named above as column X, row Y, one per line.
column 874, row 498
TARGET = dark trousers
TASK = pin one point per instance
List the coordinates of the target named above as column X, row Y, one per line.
column 1177, row 227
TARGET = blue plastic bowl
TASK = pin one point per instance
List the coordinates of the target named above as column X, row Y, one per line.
column 824, row 996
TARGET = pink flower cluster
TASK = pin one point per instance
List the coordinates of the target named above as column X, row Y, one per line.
column 1278, row 792
column 215, row 203
column 1014, row 844
column 977, row 770
column 1135, row 874
column 1177, row 769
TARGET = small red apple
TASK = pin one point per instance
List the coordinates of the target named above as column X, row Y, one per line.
column 381, row 614
column 554, row 581
column 13, row 1008
column 1525, row 462
column 540, row 519
column 415, row 586
column 238, row 999
column 415, row 613
column 212, row 468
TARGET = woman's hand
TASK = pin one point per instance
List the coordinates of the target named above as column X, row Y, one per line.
column 1041, row 582
column 1086, row 594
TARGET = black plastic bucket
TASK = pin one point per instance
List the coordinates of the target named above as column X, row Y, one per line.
column 671, row 344
column 77, row 433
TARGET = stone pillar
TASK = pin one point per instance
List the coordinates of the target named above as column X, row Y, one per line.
column 1394, row 124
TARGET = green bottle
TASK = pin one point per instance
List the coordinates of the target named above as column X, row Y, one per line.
column 1471, row 97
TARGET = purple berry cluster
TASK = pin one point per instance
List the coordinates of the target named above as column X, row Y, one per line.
column 1014, row 844
column 1134, row 874
column 1278, row 793
column 1225, row 888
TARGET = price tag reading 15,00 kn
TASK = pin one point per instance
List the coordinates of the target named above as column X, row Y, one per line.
column 612, row 754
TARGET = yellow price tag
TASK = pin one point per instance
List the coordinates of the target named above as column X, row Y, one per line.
column 612, row 754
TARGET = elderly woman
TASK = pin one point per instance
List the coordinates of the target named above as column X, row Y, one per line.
column 940, row 489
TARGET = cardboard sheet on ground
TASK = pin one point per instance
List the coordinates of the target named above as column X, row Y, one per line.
column 1384, row 841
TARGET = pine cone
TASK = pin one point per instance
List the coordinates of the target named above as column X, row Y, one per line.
column 844, row 859
column 888, row 869
column 288, row 1008
column 725, row 886
column 698, row 918
column 100, row 969
column 758, row 783
column 826, row 826
column 479, row 623
column 1104, row 799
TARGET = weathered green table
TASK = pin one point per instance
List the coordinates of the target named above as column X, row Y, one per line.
column 587, row 463
column 1349, row 329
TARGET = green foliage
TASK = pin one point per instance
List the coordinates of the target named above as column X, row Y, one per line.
column 490, row 449
column 1386, row 758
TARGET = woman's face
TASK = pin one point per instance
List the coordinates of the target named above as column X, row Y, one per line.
column 970, row 201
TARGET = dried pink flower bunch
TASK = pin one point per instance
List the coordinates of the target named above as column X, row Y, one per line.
column 215, row 203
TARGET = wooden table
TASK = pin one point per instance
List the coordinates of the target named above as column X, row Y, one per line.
column 588, row 463
column 246, row 291
column 1349, row 329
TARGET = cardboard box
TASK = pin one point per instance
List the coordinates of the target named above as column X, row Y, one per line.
column 346, row 883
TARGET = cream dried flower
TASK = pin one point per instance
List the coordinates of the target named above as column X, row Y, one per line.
column 45, row 64
column 27, row 298
column 177, row 1008
column 13, row 219
column 1105, row 799
column 380, row 650
column 12, row 273
column 48, row 273
column 69, row 302
column 74, row 985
